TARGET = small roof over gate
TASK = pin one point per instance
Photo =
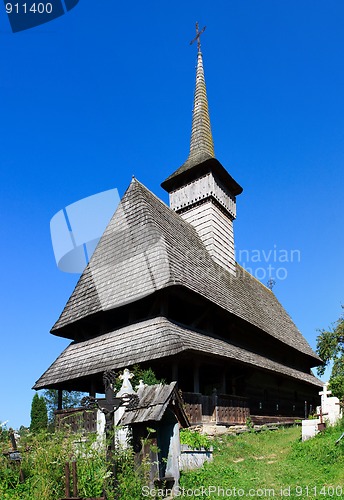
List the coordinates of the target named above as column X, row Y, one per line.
column 153, row 402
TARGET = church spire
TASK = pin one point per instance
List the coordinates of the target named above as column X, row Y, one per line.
column 201, row 144
column 201, row 137
column 201, row 190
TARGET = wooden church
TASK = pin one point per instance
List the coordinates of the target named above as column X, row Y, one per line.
column 163, row 289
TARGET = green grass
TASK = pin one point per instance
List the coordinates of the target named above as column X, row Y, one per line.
column 262, row 465
column 266, row 464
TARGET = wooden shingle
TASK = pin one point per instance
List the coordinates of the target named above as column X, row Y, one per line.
column 148, row 247
column 153, row 401
column 148, row 340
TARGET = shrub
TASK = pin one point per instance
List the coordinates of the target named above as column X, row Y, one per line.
column 194, row 439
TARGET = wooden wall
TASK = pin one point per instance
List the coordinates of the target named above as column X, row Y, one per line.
column 216, row 230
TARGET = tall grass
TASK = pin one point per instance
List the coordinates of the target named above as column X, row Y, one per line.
column 43, row 463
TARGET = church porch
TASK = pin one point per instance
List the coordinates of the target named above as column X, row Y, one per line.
column 225, row 392
column 246, row 383
column 217, row 393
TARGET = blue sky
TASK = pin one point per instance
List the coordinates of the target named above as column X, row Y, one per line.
column 106, row 91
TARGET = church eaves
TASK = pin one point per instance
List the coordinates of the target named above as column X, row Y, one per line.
column 149, row 340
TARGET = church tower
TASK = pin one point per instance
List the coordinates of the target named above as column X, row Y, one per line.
column 201, row 190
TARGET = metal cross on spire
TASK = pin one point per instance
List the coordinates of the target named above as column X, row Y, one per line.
column 198, row 37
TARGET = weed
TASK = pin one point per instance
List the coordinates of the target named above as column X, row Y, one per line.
column 43, row 462
column 194, row 439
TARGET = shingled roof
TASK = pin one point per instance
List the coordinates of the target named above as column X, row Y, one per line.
column 148, row 247
column 201, row 143
column 153, row 401
column 148, row 340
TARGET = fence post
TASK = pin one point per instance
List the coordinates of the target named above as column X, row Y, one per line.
column 75, row 479
column 67, row 473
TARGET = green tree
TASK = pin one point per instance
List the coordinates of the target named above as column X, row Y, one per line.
column 330, row 347
column 70, row 399
column 146, row 374
column 4, row 437
column 39, row 414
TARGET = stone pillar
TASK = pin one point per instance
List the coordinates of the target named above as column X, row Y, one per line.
column 330, row 406
column 126, row 389
column 324, row 393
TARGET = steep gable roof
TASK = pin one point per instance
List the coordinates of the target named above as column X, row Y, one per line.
column 148, row 247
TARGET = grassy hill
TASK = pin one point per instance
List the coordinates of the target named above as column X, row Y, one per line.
column 272, row 464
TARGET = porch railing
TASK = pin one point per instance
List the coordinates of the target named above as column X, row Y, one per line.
column 76, row 419
column 220, row 409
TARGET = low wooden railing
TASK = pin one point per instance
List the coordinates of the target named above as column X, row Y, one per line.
column 232, row 410
column 76, row 419
column 220, row 409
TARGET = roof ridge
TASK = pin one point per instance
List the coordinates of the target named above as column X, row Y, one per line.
column 173, row 214
column 252, row 276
